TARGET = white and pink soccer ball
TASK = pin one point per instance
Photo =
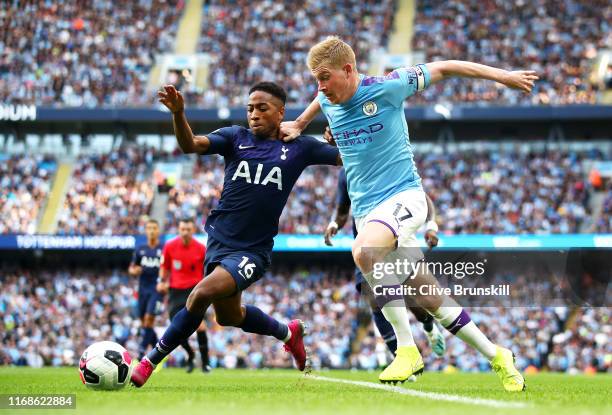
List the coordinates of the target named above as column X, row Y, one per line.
column 105, row 366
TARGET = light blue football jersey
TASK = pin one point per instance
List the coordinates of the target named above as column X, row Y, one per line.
column 372, row 135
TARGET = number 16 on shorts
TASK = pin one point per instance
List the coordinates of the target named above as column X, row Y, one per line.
column 246, row 268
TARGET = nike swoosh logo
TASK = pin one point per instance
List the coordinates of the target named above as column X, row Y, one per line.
column 241, row 147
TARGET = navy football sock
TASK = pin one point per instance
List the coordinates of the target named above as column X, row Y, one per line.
column 152, row 337
column 203, row 345
column 385, row 329
column 258, row 322
column 147, row 336
column 183, row 325
column 144, row 342
column 428, row 323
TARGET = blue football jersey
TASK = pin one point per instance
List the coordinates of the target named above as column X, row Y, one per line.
column 149, row 259
column 371, row 132
column 259, row 175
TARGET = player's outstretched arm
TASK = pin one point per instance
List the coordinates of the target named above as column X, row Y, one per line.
column 523, row 80
column 290, row 130
column 173, row 100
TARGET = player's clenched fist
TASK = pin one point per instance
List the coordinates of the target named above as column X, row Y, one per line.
column 171, row 98
column 431, row 237
column 330, row 232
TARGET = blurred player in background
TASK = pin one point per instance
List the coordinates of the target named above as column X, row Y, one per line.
column 260, row 171
column 182, row 269
column 341, row 215
column 145, row 265
column 368, row 123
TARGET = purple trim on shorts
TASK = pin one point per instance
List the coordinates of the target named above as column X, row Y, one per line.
column 459, row 323
column 384, row 223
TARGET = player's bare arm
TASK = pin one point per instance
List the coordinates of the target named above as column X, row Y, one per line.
column 292, row 129
column 523, row 80
column 431, row 227
column 338, row 221
column 173, row 100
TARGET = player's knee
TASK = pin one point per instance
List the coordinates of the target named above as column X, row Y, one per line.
column 364, row 258
column 201, row 296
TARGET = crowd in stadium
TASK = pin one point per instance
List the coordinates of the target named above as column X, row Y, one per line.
column 535, row 35
column 283, row 34
column 109, row 194
column 100, row 53
column 509, row 192
column 486, row 191
column 83, row 54
column 25, row 183
column 48, row 317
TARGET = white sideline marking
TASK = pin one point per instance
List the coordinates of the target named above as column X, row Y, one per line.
column 427, row 395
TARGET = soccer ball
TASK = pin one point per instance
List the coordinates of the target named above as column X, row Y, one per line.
column 105, row 366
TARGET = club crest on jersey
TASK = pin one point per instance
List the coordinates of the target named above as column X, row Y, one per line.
column 370, row 108
column 284, row 155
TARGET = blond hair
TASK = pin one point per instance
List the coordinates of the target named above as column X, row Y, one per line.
column 333, row 52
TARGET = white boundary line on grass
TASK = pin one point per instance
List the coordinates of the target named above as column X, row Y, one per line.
column 426, row 395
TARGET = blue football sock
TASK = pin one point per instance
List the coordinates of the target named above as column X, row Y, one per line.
column 183, row 325
column 385, row 329
column 258, row 322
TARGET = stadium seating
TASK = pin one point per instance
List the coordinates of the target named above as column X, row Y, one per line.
column 282, row 33
column 25, row 182
column 91, row 53
column 99, row 54
column 535, row 35
column 473, row 191
column 109, row 194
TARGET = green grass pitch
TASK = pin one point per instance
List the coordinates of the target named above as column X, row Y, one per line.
column 287, row 392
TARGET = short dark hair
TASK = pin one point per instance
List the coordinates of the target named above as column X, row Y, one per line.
column 187, row 220
column 153, row 221
column 271, row 88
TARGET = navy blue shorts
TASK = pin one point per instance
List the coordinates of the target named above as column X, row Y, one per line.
column 149, row 302
column 245, row 265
